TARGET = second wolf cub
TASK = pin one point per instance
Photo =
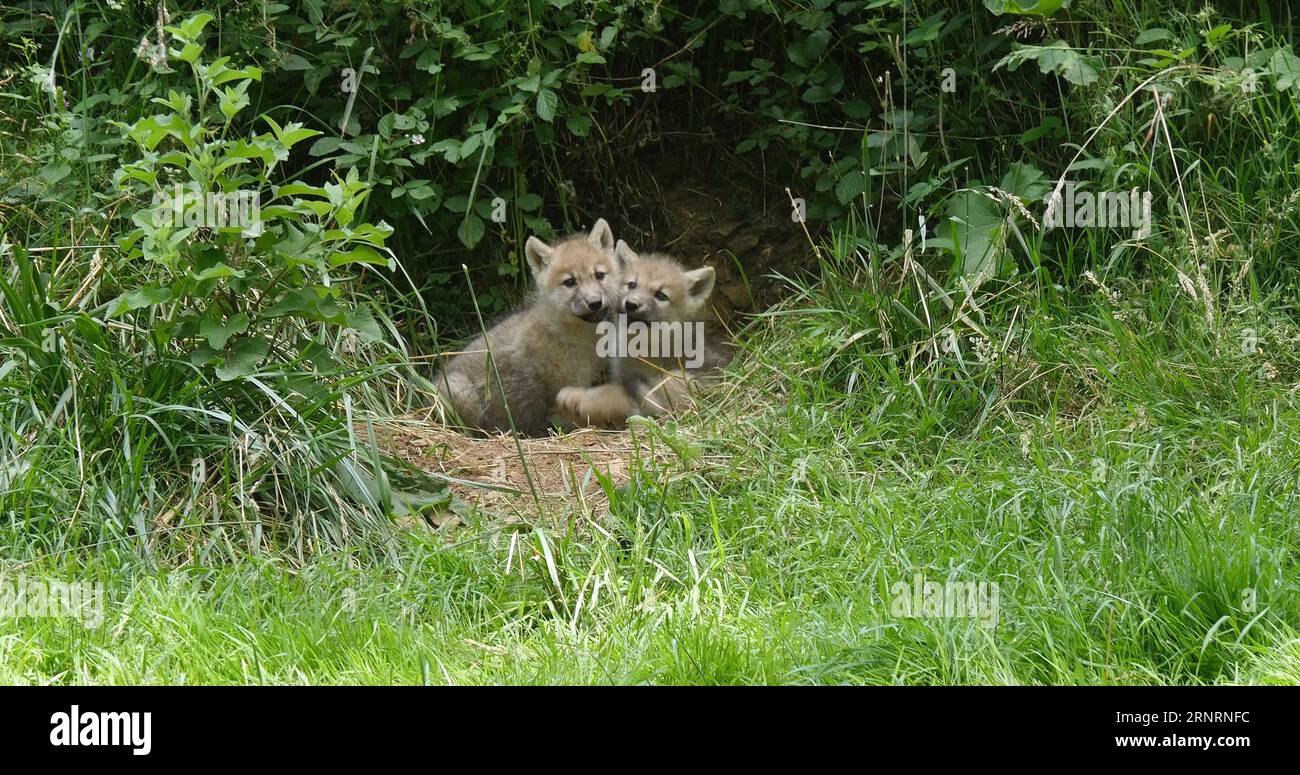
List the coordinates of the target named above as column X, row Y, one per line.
column 525, row 359
column 668, row 301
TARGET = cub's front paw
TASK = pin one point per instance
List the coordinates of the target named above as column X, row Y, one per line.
column 597, row 407
column 569, row 402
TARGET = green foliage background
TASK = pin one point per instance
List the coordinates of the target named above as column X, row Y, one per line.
column 542, row 104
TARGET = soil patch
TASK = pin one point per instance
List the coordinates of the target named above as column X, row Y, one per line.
column 566, row 470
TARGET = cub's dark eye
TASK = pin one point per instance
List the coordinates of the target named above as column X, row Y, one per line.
column 600, row 275
column 569, row 283
column 632, row 285
column 661, row 296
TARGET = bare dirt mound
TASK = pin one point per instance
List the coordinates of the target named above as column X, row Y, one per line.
column 565, row 470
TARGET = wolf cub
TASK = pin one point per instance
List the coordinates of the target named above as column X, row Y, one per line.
column 668, row 303
column 550, row 344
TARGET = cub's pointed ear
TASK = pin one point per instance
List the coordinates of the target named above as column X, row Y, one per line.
column 624, row 253
column 699, row 283
column 539, row 255
column 602, row 237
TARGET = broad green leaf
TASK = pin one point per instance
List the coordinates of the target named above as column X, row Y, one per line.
column 1025, row 181
column 243, row 358
column 1050, row 125
column 218, row 270
column 298, row 188
column 578, row 125
column 975, row 225
column 364, row 322
column 233, row 100
column 471, row 230
column 249, row 73
column 419, row 503
column 1025, row 7
column 1058, row 57
column 189, row 29
column 190, row 53
column 294, row 133
column 324, row 146
column 1286, row 69
column 816, row 95
column 218, row 333
column 850, row 186
column 359, row 255
column 148, row 296
column 1152, row 35
column 547, row 102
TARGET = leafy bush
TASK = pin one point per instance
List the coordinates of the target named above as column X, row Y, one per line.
column 229, row 294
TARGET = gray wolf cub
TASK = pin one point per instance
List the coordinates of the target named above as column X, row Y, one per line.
column 665, row 347
column 525, row 359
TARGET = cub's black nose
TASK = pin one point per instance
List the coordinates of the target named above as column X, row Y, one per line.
column 631, row 306
column 595, row 305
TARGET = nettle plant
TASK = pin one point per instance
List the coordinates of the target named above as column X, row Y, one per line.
column 237, row 270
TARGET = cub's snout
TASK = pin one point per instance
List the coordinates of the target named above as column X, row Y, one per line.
column 591, row 306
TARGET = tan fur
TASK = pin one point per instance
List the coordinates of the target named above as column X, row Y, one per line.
column 603, row 406
column 550, row 344
column 651, row 386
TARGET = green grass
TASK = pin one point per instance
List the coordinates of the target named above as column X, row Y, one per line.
column 772, row 560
